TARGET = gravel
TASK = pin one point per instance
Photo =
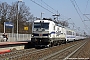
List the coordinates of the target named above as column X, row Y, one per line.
column 83, row 53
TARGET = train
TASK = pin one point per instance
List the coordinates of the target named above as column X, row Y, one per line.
column 47, row 33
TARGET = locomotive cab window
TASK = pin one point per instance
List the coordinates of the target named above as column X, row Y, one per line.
column 41, row 25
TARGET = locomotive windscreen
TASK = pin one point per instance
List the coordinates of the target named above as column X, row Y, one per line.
column 41, row 25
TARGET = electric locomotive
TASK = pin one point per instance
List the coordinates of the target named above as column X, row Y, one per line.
column 47, row 33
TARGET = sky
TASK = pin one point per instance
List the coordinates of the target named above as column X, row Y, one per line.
column 74, row 11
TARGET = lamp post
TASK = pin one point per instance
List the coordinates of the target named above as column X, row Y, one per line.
column 17, row 17
column 17, row 20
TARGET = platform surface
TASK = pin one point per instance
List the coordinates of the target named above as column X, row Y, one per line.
column 7, row 46
column 10, row 43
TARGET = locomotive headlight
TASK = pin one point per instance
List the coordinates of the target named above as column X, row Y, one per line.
column 32, row 35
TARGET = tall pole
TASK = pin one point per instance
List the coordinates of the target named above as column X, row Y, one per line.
column 41, row 15
column 17, row 20
column 57, row 15
column 4, row 27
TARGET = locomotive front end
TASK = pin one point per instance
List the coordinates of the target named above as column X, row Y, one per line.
column 40, row 33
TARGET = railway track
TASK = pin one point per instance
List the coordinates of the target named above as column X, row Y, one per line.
column 72, row 53
column 65, row 53
column 13, row 53
column 38, row 54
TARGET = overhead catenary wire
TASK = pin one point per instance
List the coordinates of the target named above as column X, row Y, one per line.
column 76, row 9
column 46, row 8
column 86, row 6
column 49, row 6
column 42, row 6
column 85, row 11
column 54, row 9
column 78, row 12
column 81, row 19
column 87, row 17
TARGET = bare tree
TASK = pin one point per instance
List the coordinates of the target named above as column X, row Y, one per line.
column 9, row 13
column 64, row 23
column 4, row 11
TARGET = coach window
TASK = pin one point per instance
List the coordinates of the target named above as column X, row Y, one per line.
column 77, row 34
column 69, row 33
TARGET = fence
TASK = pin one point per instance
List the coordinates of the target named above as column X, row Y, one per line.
column 21, row 37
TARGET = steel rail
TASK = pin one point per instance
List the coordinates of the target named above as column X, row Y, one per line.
column 24, row 54
column 46, row 57
column 74, row 51
column 15, row 52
